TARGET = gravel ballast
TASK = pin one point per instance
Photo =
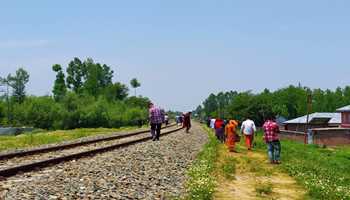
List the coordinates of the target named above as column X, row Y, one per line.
column 149, row 170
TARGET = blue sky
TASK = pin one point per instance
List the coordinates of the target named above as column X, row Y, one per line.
column 181, row 51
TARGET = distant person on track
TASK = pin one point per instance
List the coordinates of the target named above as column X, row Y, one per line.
column 231, row 135
column 181, row 119
column 166, row 120
column 177, row 119
column 248, row 129
column 220, row 130
column 156, row 118
column 187, row 121
column 271, row 131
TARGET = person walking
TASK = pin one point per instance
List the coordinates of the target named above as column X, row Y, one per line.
column 166, row 120
column 208, row 122
column 231, row 135
column 212, row 123
column 220, row 129
column 156, row 118
column 271, row 131
column 187, row 121
column 181, row 119
column 248, row 129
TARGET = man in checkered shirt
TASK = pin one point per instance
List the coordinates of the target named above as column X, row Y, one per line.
column 271, row 131
column 156, row 118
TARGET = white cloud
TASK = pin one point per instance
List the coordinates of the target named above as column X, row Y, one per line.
column 23, row 43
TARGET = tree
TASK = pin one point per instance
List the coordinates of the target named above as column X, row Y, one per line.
column 106, row 76
column 59, row 88
column 76, row 72
column 135, row 84
column 97, row 77
column 116, row 91
column 18, row 83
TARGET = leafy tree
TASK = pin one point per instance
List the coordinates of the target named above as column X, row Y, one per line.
column 18, row 83
column 116, row 91
column 59, row 88
column 97, row 76
column 289, row 102
column 135, row 84
column 107, row 75
column 75, row 75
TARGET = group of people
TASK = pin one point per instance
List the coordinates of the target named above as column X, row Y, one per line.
column 158, row 116
column 226, row 132
column 184, row 120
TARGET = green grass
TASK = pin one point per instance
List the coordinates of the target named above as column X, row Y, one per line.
column 263, row 189
column 201, row 182
column 45, row 137
column 229, row 167
column 324, row 172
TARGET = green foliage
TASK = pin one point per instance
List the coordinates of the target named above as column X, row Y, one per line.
column 40, row 112
column 229, row 167
column 91, row 100
column 59, row 88
column 263, row 188
column 76, row 72
column 18, row 83
column 325, row 173
column 289, row 102
column 135, row 84
column 76, row 111
column 2, row 111
column 97, row 77
column 116, row 91
column 201, row 183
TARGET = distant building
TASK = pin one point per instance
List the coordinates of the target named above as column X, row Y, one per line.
column 326, row 128
column 316, row 120
column 345, row 116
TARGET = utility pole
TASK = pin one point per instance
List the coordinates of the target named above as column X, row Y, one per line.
column 309, row 108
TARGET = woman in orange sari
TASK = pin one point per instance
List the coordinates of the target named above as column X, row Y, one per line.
column 230, row 133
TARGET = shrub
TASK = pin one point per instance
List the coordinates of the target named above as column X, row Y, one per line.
column 77, row 111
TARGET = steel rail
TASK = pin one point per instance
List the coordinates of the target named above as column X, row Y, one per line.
column 8, row 172
column 71, row 145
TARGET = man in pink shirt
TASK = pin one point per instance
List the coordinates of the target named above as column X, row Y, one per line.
column 156, row 118
column 271, row 131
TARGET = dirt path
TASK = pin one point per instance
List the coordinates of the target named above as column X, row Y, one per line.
column 254, row 178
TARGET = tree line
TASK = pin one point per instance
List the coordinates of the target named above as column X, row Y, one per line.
column 289, row 102
column 84, row 95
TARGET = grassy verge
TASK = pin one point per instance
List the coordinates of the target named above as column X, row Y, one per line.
column 41, row 138
column 228, row 167
column 324, row 172
column 201, row 182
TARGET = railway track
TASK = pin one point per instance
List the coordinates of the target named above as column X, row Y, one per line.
column 14, row 163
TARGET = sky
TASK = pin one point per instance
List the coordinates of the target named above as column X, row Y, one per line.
column 181, row 51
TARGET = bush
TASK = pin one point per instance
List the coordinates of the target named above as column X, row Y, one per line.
column 39, row 112
column 77, row 111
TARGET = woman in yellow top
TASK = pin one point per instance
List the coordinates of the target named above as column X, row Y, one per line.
column 230, row 133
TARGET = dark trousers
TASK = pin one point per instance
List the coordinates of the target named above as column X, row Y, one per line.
column 155, row 131
column 220, row 134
